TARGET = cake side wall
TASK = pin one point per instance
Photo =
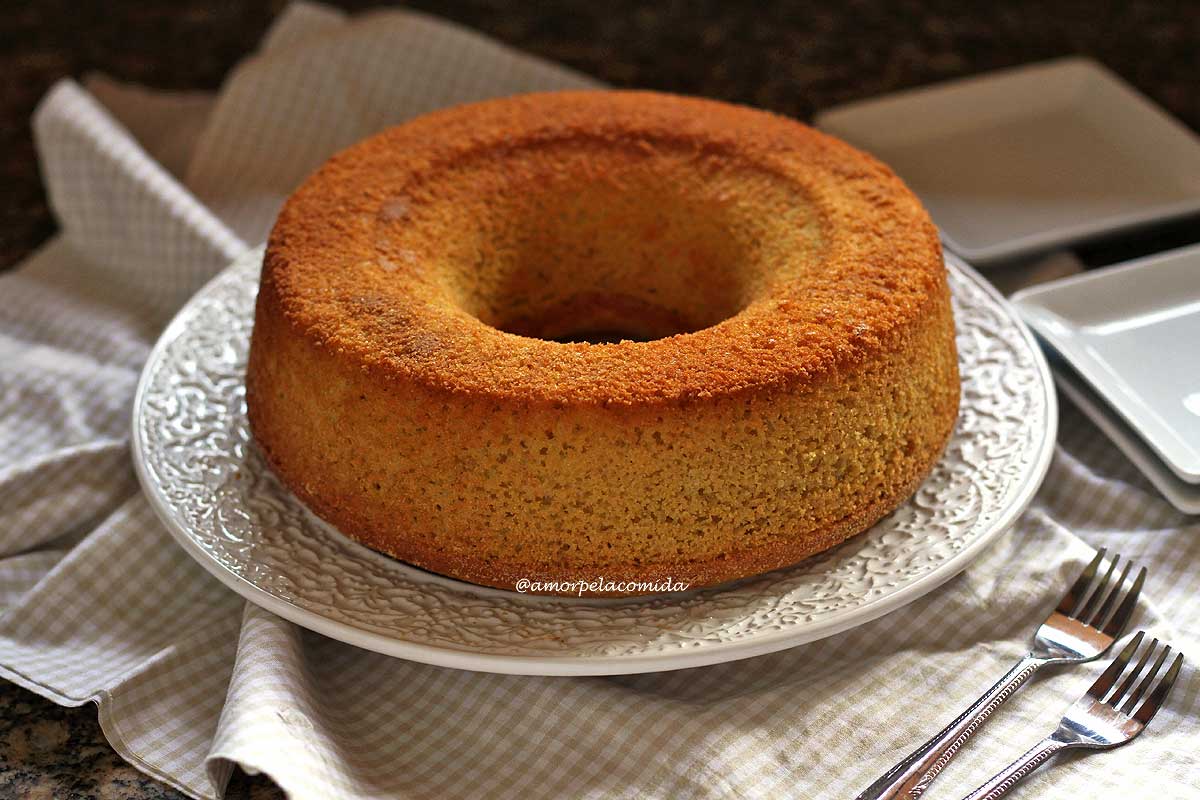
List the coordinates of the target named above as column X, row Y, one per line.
column 701, row 491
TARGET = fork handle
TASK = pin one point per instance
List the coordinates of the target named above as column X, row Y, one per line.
column 999, row 784
column 911, row 777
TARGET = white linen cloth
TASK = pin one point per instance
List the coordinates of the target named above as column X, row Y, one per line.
column 155, row 193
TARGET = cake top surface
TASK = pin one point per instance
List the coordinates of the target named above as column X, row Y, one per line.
column 722, row 248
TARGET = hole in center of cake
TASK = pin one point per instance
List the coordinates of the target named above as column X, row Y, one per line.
column 604, row 240
column 610, row 264
column 598, row 317
column 599, row 242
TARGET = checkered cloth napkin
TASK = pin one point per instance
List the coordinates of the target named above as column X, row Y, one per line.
column 155, row 193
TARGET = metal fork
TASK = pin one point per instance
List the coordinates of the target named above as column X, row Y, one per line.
column 1102, row 719
column 1081, row 628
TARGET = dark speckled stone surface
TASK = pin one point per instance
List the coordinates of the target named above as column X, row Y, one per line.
column 790, row 57
column 47, row 751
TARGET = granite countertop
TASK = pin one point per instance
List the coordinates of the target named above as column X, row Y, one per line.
column 794, row 58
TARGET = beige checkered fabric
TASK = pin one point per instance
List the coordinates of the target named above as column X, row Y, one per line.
column 155, row 193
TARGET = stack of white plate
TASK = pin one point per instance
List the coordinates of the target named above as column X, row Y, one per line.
column 1022, row 162
column 1124, row 344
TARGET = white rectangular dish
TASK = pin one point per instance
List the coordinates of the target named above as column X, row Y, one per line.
column 1184, row 496
column 1132, row 332
column 1030, row 158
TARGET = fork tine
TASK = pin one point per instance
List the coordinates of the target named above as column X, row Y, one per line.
column 1115, row 698
column 1110, row 675
column 1120, row 618
column 1085, row 612
column 1132, row 700
column 1150, row 707
column 1079, row 588
column 1102, row 613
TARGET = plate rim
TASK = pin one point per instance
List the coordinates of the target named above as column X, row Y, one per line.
column 580, row 666
column 1062, row 236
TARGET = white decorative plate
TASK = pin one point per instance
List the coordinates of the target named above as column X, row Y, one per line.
column 208, row 482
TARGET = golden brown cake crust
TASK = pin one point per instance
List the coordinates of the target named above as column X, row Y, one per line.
column 804, row 383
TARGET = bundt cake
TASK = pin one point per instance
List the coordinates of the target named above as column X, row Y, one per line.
column 625, row 337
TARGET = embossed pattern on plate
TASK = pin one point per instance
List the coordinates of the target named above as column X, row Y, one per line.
column 206, row 479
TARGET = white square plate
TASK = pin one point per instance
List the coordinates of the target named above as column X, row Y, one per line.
column 1132, row 331
column 1030, row 158
column 1184, row 496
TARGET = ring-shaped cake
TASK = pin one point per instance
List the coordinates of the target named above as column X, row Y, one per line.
column 617, row 337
